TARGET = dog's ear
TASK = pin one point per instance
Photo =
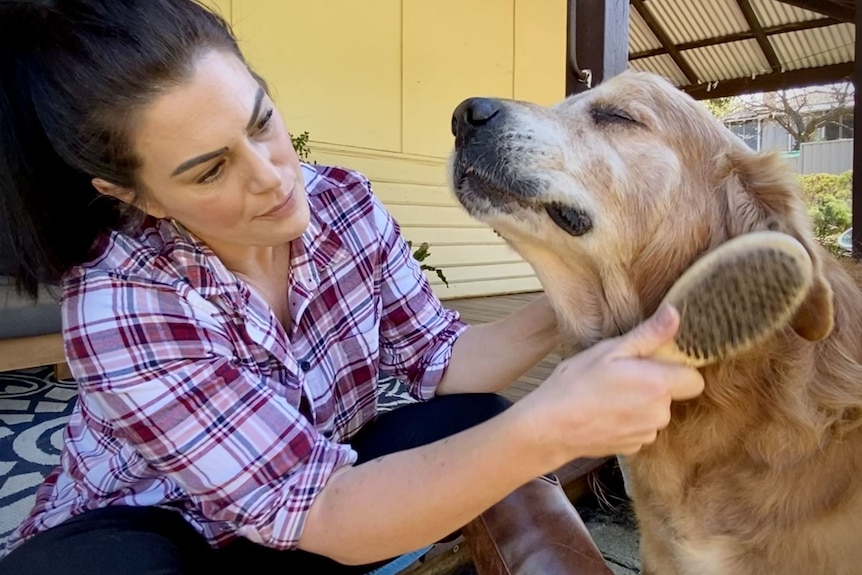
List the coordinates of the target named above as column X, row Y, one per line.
column 764, row 194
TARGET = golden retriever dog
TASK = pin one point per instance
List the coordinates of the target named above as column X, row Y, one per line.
column 610, row 195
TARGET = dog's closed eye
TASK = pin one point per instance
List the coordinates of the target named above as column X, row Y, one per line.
column 609, row 115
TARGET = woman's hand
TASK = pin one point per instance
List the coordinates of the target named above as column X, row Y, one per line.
column 610, row 399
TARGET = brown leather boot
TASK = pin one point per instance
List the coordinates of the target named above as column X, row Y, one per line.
column 534, row 531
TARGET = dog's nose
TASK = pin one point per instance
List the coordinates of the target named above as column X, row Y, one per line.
column 473, row 113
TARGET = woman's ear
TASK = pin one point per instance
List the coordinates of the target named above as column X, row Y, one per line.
column 127, row 196
column 106, row 188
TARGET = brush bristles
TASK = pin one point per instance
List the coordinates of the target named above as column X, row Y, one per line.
column 738, row 301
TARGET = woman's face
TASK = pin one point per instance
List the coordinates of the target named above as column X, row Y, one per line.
column 217, row 158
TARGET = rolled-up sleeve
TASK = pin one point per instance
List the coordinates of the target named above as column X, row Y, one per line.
column 417, row 332
column 163, row 379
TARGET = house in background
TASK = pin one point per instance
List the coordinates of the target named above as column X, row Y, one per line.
column 375, row 84
column 755, row 120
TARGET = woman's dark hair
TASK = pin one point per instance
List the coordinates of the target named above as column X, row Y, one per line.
column 73, row 74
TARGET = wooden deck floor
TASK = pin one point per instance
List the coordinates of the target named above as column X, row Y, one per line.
column 487, row 309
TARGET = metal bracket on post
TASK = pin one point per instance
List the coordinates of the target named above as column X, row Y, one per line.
column 575, row 76
column 597, row 43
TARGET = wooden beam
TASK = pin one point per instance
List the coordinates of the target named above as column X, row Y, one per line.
column 762, row 40
column 665, row 41
column 35, row 351
column 857, row 147
column 773, row 81
column 598, row 41
column 740, row 36
column 839, row 9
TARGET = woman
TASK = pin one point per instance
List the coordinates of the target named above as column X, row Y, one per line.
column 227, row 311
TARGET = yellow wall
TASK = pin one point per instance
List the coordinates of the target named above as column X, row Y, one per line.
column 374, row 82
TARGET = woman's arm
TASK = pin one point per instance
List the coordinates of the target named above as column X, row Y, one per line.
column 604, row 401
column 490, row 357
column 405, row 500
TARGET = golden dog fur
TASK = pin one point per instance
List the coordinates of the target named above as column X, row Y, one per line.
column 762, row 474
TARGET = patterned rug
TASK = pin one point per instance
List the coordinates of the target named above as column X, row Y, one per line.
column 34, row 407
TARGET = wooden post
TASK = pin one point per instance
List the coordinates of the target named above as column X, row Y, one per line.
column 857, row 147
column 62, row 371
column 598, row 42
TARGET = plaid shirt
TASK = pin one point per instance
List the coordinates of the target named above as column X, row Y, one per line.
column 193, row 396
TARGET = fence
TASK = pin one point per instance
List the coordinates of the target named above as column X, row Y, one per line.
column 830, row 157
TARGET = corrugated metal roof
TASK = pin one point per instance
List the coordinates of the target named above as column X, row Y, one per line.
column 818, row 47
column 662, row 65
column 640, row 37
column 716, row 41
column 772, row 13
column 727, row 61
column 687, row 21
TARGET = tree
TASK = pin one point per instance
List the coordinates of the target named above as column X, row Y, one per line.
column 721, row 107
column 802, row 111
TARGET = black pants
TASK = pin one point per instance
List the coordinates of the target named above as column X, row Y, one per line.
column 151, row 541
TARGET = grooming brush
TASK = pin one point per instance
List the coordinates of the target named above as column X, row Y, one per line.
column 736, row 296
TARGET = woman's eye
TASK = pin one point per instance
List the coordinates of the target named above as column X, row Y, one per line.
column 610, row 115
column 264, row 123
column 212, row 174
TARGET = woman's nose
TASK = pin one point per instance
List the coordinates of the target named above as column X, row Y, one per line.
column 266, row 175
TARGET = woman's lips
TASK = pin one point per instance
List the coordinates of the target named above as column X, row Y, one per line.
column 281, row 209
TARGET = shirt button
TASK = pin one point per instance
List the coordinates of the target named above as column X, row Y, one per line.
column 304, row 365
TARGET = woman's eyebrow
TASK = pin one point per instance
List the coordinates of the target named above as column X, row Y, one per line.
column 258, row 98
column 188, row 164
